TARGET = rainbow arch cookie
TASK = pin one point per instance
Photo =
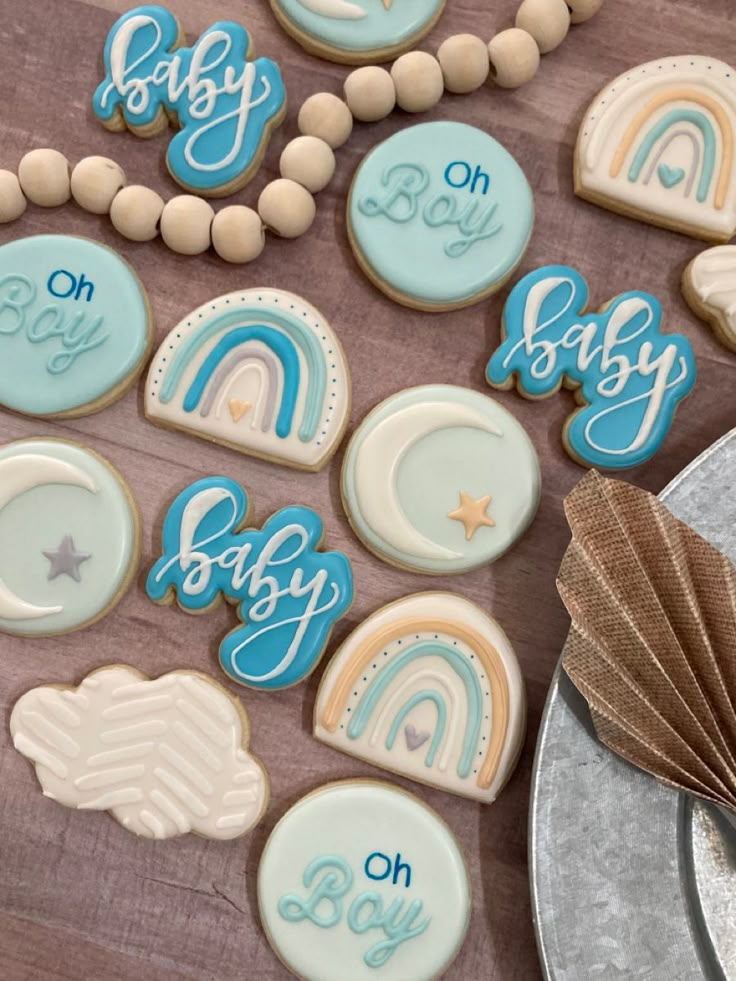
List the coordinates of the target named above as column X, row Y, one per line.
column 259, row 371
column 428, row 687
column 658, row 144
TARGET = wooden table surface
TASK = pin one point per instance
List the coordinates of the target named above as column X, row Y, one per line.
column 81, row 898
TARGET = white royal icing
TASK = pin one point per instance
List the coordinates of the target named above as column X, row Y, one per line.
column 712, row 276
column 340, row 9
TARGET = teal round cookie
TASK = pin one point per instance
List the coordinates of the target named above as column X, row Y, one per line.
column 439, row 216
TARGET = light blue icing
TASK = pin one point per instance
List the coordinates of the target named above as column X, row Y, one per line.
column 417, row 699
column 289, row 594
column 300, row 333
column 674, row 118
column 372, row 695
column 441, row 213
column 631, row 376
column 376, row 28
column 223, row 103
column 328, row 892
column 73, row 323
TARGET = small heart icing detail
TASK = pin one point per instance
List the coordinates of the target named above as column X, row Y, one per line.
column 414, row 739
column 238, row 409
column 670, row 176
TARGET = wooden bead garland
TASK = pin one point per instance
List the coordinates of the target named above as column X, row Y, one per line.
column 286, row 206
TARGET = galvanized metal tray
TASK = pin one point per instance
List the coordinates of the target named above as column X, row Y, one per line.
column 631, row 880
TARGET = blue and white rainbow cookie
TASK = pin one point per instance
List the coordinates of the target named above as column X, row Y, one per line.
column 224, row 106
column 260, row 371
column 430, row 688
column 287, row 593
column 659, row 144
column 440, row 479
column 69, row 537
column 628, row 376
column 75, row 326
column 439, row 216
column 357, row 32
column 362, row 880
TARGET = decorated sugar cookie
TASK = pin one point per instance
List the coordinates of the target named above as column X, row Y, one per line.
column 69, row 537
column 361, row 880
column 440, row 479
column 164, row 757
column 658, row 144
column 628, row 376
column 224, row 105
column 430, row 688
column 357, row 31
column 439, row 216
column 260, row 371
column 709, row 286
column 75, row 326
column 288, row 593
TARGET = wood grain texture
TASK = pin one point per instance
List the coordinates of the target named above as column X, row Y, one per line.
column 80, row 898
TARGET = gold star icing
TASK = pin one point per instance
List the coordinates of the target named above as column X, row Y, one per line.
column 472, row 513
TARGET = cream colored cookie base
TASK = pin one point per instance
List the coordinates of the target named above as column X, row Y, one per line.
column 716, row 319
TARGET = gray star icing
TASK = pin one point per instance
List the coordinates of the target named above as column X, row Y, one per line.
column 66, row 560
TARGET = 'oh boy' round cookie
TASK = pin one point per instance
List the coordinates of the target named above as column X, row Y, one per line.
column 361, row 880
column 440, row 479
column 69, row 537
column 439, row 216
column 357, row 31
column 75, row 327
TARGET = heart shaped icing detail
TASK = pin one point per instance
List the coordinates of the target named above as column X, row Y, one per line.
column 414, row 739
column 238, row 409
column 670, row 176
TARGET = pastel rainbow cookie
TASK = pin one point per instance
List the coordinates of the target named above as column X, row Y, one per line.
column 362, row 880
column 69, row 537
column 260, row 371
column 164, row 757
column 357, row 31
column 439, row 216
column 658, row 144
column 430, row 688
column 75, row 326
column 709, row 286
column 440, row 479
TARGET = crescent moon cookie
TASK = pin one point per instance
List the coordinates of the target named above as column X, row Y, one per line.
column 658, row 144
column 288, row 593
column 439, row 216
column 428, row 687
column 628, row 376
column 223, row 105
column 75, row 326
column 164, row 757
column 362, row 880
column 357, row 32
column 69, row 537
column 709, row 286
column 260, row 371
column 440, row 479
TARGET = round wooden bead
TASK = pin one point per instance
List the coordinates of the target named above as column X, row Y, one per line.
column 94, row 183
column 582, row 10
column 286, row 208
column 548, row 22
column 237, row 234
column 418, row 80
column 185, row 224
column 309, row 161
column 514, row 58
column 370, row 93
column 136, row 211
column 464, row 62
column 328, row 118
column 12, row 199
column 44, row 177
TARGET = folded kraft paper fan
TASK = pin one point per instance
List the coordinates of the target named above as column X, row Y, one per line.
column 652, row 646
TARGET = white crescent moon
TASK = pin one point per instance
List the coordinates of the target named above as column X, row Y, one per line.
column 19, row 474
column 377, row 464
column 339, row 9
